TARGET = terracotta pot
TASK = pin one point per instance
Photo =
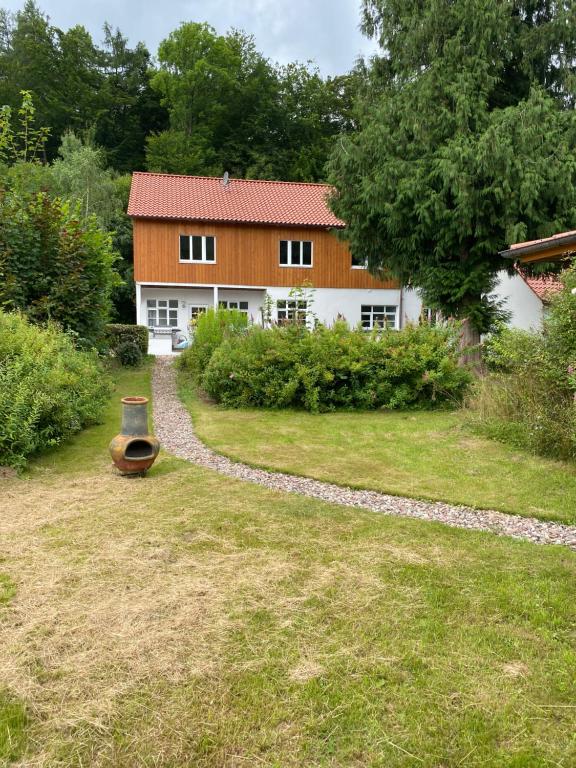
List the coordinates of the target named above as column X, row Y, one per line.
column 134, row 451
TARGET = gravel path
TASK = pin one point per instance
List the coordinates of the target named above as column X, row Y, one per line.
column 174, row 429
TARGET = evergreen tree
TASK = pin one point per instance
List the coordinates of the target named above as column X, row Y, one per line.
column 467, row 144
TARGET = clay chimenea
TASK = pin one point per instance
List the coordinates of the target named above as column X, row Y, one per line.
column 134, row 450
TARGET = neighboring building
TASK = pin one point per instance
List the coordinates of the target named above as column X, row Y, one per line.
column 525, row 298
column 206, row 242
column 560, row 247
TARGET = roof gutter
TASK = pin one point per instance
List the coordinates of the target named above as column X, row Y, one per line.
column 550, row 243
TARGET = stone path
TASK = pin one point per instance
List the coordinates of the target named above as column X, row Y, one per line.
column 173, row 427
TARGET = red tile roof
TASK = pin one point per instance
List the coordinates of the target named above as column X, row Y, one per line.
column 543, row 286
column 202, row 198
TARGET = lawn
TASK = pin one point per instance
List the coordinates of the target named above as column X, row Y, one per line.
column 189, row 619
column 422, row 454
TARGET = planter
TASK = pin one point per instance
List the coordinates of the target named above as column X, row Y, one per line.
column 134, row 451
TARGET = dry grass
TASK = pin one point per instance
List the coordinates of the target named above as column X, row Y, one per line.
column 192, row 620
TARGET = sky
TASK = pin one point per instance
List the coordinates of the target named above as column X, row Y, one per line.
column 326, row 31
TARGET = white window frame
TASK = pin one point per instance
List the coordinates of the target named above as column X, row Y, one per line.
column 227, row 304
column 370, row 309
column 358, row 266
column 296, row 266
column 156, row 309
column 203, row 260
column 292, row 309
column 196, row 309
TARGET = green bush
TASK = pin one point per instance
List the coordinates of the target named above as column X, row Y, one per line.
column 129, row 354
column 210, row 330
column 527, row 397
column 48, row 389
column 54, row 265
column 116, row 334
column 329, row 368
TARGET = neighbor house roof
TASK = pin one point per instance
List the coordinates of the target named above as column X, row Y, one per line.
column 547, row 248
column 202, row 198
column 543, row 286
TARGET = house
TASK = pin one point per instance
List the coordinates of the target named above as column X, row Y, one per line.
column 525, row 298
column 204, row 242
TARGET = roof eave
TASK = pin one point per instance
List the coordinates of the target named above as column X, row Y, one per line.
column 544, row 251
column 247, row 222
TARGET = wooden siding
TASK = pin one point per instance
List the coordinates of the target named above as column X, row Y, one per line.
column 245, row 255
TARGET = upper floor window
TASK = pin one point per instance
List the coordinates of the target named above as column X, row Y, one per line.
column 198, row 248
column 162, row 313
column 295, row 253
column 379, row 316
column 359, row 262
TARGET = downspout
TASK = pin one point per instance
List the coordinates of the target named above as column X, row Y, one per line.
column 400, row 308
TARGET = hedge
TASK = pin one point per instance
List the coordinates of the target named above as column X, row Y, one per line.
column 117, row 334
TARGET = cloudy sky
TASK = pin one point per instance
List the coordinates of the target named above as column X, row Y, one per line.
column 285, row 30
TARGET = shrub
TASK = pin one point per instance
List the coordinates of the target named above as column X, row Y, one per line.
column 527, row 398
column 210, row 330
column 129, row 354
column 48, row 389
column 55, row 266
column 118, row 333
column 328, row 368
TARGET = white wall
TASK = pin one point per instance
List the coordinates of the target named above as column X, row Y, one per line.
column 328, row 303
column 188, row 297
column 527, row 310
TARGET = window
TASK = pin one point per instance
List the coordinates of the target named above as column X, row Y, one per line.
column 195, row 311
column 359, row 263
column 162, row 313
column 198, row 248
column 378, row 316
column 290, row 310
column 295, row 253
column 240, row 305
column 430, row 316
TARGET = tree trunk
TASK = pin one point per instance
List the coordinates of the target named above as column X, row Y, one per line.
column 470, row 352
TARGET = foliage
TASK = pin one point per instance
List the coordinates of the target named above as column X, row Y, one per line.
column 53, row 266
column 129, row 354
column 231, row 109
column 328, row 368
column 209, row 331
column 48, row 389
column 78, row 86
column 466, row 144
column 528, row 398
column 26, row 143
column 79, row 174
column 117, row 333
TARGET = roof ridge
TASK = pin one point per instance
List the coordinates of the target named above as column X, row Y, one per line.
column 233, row 178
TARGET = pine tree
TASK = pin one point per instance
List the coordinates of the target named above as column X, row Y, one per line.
column 467, row 143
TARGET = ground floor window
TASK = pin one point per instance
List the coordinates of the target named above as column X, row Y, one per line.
column 291, row 310
column 379, row 316
column 242, row 306
column 430, row 316
column 196, row 311
column 162, row 313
